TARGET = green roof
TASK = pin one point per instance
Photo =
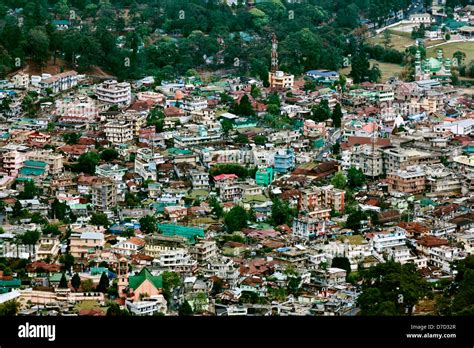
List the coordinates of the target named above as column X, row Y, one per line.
column 56, row 277
column 12, row 283
column 135, row 281
column 30, row 163
column 31, row 171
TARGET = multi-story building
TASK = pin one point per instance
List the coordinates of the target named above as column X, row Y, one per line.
column 310, row 225
column 284, row 161
column 199, row 179
column 146, row 162
column 118, row 132
column 412, row 180
column 113, row 92
column 54, row 160
column 444, row 256
column 104, row 194
column 224, row 268
column 157, row 243
column 194, row 103
column 368, row 160
column 399, row 159
column 116, row 173
column 204, row 250
column 12, row 162
column 60, row 82
column 384, row 241
column 264, row 176
column 147, row 306
column 321, row 197
column 79, row 110
column 178, row 260
column 281, row 80
column 82, row 244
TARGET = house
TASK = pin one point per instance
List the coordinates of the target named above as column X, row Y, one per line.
column 130, row 246
column 144, row 284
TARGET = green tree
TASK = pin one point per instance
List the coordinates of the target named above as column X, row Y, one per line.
column 71, row 138
column 216, row 207
column 148, row 224
column 67, row 260
column 281, row 212
column 355, row 178
column 255, row 91
column 109, row 155
column 321, row 112
column 9, row 308
column 185, row 309
column 260, row 139
column 354, row 219
column 236, row 219
column 241, row 139
column 339, row 181
column 38, row 46
column 171, row 280
column 63, row 282
column 227, row 126
column 87, row 285
column 58, row 210
column 337, row 116
column 30, row 237
column 103, row 283
column 30, row 190
column 341, row 262
column 87, row 162
column 244, row 107
column 100, row 219
column 76, row 281
column 391, row 289
column 114, row 310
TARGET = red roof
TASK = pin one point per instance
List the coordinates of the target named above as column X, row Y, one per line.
column 225, row 177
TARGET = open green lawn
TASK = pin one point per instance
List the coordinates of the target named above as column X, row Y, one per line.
column 398, row 42
column 89, row 304
column 450, row 48
column 387, row 69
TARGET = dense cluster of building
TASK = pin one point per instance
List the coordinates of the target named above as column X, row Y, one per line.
column 410, row 141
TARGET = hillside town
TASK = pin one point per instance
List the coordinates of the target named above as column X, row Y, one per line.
column 311, row 195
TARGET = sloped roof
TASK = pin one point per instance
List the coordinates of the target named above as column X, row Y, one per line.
column 135, row 281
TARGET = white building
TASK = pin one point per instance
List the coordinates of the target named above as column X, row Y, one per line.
column 461, row 127
column 383, row 241
column 58, row 83
column 113, row 92
column 443, row 257
column 118, row 132
column 177, row 260
column 147, row 306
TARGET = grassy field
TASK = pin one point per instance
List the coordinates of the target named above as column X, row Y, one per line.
column 387, row 69
column 398, row 42
column 450, row 48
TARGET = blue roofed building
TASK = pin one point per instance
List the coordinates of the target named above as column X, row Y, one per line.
column 284, row 161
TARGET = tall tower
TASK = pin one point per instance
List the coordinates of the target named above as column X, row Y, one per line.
column 274, row 53
column 122, row 276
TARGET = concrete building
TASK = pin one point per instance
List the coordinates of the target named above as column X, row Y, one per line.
column 113, row 92
column 118, row 132
column 412, row 180
column 81, row 244
column 281, row 80
column 321, row 197
column 284, row 161
column 104, row 194
column 54, row 160
column 58, row 83
column 384, row 241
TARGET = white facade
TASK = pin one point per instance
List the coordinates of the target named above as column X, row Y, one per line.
column 113, row 92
